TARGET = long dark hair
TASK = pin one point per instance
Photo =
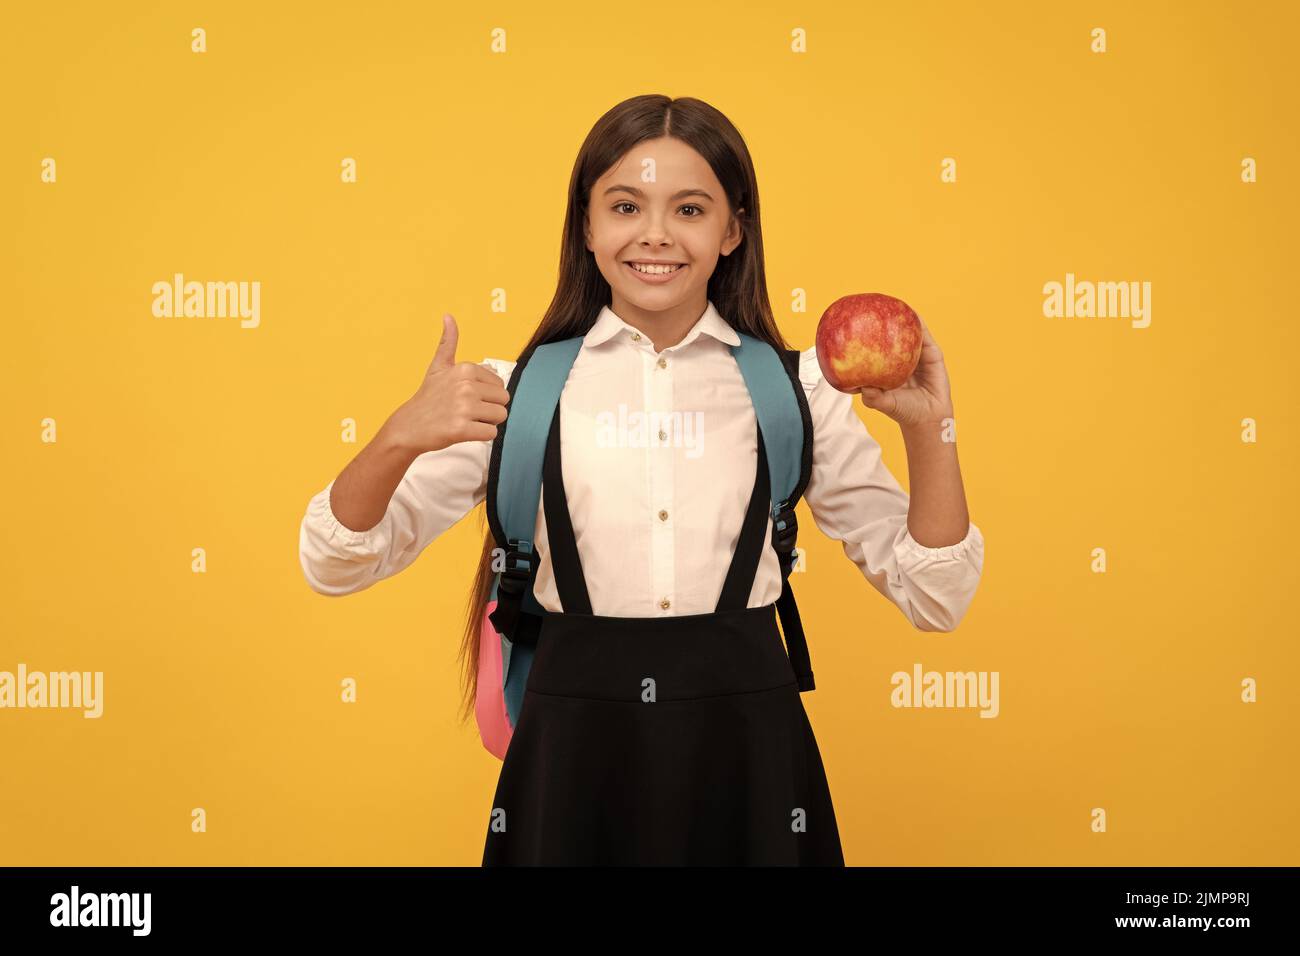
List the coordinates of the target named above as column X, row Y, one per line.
column 738, row 286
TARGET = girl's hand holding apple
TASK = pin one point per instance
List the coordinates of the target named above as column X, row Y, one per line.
column 874, row 345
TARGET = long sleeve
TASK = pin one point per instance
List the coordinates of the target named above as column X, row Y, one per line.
column 439, row 488
column 855, row 499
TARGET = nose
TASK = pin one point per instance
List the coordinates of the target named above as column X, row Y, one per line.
column 655, row 230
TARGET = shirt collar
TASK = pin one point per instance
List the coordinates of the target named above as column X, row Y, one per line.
column 608, row 325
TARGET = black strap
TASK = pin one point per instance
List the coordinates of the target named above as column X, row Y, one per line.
column 749, row 544
column 783, row 541
column 796, row 643
column 570, row 582
column 509, row 617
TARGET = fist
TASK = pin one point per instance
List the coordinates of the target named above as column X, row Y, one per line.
column 456, row 401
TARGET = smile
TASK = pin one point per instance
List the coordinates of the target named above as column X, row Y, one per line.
column 655, row 274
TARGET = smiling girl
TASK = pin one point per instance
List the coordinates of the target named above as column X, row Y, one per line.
column 662, row 721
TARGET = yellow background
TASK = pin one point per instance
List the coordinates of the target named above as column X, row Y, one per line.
column 1118, row 690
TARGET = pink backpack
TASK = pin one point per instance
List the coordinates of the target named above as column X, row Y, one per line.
column 490, row 705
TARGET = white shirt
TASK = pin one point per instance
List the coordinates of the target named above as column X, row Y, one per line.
column 656, row 521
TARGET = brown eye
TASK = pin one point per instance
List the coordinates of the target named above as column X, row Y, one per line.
column 624, row 203
column 693, row 206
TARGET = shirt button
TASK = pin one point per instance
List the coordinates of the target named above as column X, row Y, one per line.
column 664, row 604
column 663, row 516
column 663, row 363
column 636, row 336
column 663, row 435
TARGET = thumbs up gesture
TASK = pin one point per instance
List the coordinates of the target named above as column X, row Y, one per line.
column 456, row 401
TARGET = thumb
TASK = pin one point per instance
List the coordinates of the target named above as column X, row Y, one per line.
column 445, row 357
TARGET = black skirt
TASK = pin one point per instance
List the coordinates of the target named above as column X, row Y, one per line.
column 662, row 741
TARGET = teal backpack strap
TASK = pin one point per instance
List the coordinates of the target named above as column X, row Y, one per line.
column 514, row 491
column 786, row 423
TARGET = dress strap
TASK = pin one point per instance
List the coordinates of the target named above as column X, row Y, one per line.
column 749, row 545
column 567, row 566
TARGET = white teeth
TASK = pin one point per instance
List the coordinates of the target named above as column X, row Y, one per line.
column 654, row 270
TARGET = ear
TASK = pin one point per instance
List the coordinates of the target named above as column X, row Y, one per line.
column 734, row 234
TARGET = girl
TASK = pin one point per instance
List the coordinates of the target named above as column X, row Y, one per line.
column 662, row 721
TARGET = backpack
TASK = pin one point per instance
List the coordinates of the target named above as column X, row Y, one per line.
column 512, row 619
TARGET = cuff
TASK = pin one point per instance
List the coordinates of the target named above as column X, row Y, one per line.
column 335, row 530
column 973, row 541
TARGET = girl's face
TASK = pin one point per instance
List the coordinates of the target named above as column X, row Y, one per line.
column 661, row 202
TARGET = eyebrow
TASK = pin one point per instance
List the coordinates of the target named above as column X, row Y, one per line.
column 677, row 195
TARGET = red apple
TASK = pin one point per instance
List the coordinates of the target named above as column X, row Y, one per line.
column 869, row 339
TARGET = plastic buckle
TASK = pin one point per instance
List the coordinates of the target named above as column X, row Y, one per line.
column 785, row 529
column 518, row 569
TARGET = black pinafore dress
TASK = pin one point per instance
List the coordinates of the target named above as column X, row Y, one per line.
column 661, row 740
